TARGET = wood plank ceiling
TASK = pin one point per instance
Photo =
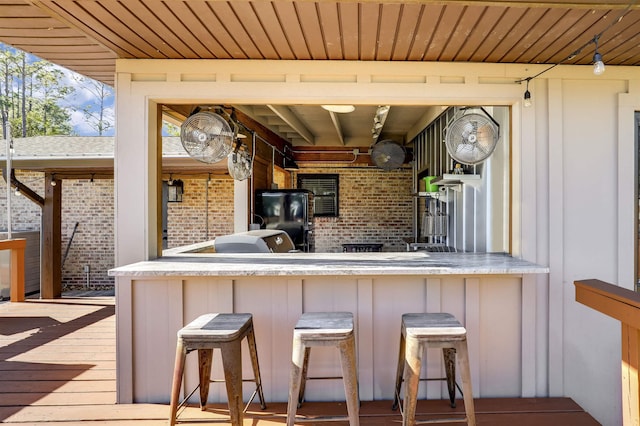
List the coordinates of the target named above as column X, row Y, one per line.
column 88, row 35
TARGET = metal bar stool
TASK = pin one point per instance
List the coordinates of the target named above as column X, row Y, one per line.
column 224, row 332
column 433, row 330
column 324, row 329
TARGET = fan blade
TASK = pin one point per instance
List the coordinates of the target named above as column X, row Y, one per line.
column 206, row 137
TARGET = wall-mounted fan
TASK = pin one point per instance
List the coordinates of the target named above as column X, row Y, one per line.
column 240, row 163
column 388, row 154
column 471, row 138
column 207, row 136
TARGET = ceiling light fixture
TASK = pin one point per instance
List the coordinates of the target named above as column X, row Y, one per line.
column 598, row 65
column 342, row 109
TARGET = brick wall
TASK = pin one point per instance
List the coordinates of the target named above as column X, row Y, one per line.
column 25, row 214
column 90, row 204
column 187, row 221
column 375, row 207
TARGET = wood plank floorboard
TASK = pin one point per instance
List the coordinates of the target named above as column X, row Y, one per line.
column 58, row 367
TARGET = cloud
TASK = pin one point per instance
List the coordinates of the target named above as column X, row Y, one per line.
column 83, row 127
column 82, row 97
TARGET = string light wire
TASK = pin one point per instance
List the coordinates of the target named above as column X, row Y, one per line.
column 576, row 52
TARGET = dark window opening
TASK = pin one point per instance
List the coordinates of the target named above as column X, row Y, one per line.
column 325, row 192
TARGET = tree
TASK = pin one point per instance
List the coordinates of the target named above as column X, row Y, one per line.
column 170, row 129
column 98, row 116
column 31, row 92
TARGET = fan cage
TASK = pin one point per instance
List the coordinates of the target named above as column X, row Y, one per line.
column 240, row 165
column 388, row 154
column 471, row 138
column 207, row 137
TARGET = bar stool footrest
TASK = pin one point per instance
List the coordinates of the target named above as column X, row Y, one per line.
column 446, row 420
column 301, row 419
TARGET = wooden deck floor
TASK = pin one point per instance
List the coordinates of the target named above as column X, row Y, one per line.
column 57, row 366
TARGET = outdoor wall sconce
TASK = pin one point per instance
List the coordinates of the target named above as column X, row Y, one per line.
column 175, row 190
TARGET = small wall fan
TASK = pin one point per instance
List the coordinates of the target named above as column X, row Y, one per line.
column 240, row 163
column 207, row 136
column 388, row 154
column 471, row 138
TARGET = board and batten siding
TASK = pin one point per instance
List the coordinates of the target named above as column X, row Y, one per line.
column 576, row 143
column 488, row 306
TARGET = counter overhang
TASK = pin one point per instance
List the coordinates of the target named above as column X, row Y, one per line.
column 296, row 264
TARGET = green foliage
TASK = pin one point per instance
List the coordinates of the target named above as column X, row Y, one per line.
column 170, row 129
column 31, row 91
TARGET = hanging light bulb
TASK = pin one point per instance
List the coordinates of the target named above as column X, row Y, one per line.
column 18, row 193
column 53, row 180
column 598, row 65
column 527, row 97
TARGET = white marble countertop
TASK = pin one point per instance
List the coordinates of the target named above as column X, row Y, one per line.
column 296, row 264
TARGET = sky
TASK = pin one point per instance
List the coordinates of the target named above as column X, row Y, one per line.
column 82, row 97
column 79, row 99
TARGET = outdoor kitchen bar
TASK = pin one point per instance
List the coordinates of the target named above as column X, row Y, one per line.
column 493, row 295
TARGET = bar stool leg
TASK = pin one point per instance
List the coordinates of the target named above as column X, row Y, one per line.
column 253, row 351
column 399, row 374
column 305, row 371
column 297, row 363
column 413, row 365
column 178, row 371
column 350, row 379
column 449, row 356
column 205, row 357
column 465, row 373
column 232, row 362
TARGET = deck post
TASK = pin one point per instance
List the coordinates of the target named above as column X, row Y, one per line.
column 17, row 247
column 630, row 385
column 623, row 305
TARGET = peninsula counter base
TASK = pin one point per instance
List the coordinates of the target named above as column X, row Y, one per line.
column 154, row 300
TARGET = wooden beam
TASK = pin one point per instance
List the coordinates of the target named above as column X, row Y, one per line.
column 51, row 286
column 262, row 131
column 289, row 117
column 337, row 126
column 25, row 190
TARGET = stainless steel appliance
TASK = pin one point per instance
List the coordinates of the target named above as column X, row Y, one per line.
column 289, row 210
column 258, row 241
